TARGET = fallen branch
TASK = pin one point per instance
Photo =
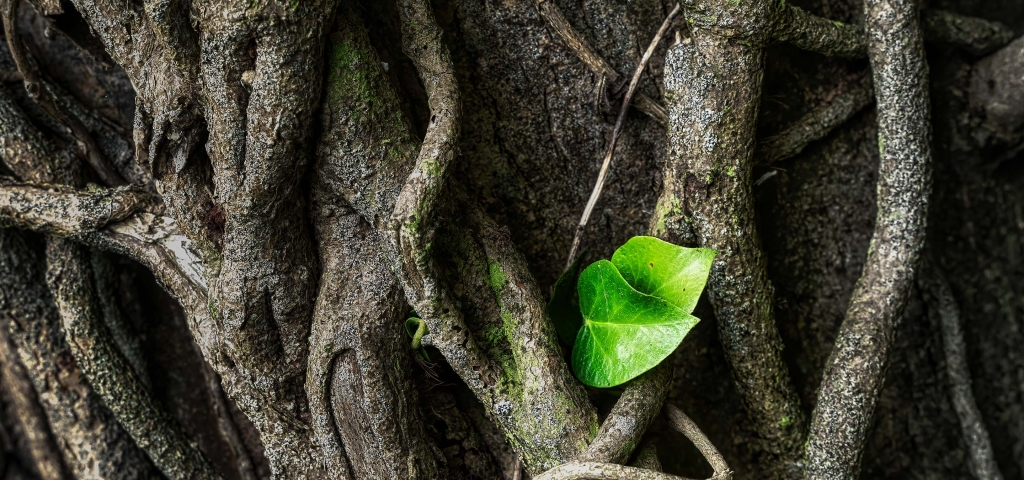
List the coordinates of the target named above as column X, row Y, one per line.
column 856, row 368
column 943, row 310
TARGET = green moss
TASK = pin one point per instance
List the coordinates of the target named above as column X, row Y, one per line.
column 212, row 308
column 211, row 257
column 432, row 167
column 785, row 422
column 730, row 171
column 664, row 211
column 496, row 279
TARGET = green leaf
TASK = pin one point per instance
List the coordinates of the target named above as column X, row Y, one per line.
column 625, row 332
column 670, row 272
column 564, row 307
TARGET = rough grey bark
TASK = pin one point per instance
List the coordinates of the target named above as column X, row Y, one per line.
column 91, row 441
column 713, row 88
column 182, row 99
column 359, row 379
column 24, row 417
column 856, row 368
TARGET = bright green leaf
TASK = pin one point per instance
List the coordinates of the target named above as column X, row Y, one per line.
column 625, row 332
column 564, row 308
column 670, row 272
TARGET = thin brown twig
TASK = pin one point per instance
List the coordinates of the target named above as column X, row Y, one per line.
column 615, row 135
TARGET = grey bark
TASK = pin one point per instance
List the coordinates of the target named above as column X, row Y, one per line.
column 275, row 233
column 856, row 369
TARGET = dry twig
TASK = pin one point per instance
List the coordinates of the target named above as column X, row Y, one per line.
column 596, row 193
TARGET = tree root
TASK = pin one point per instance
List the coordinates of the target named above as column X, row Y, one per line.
column 536, row 395
column 597, row 64
column 91, row 441
column 26, row 416
column 529, row 394
column 112, row 377
column 63, row 212
column 713, row 86
column 590, row 470
column 356, row 338
column 684, row 425
column 602, row 471
column 850, row 99
column 87, row 146
column 629, row 419
column 359, row 383
column 855, row 370
column 816, row 34
column 943, row 310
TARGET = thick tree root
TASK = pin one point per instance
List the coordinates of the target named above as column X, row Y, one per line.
column 713, row 85
column 91, row 441
column 110, row 374
column 509, row 360
column 855, row 371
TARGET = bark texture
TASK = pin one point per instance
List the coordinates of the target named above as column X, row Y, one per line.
column 218, row 217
